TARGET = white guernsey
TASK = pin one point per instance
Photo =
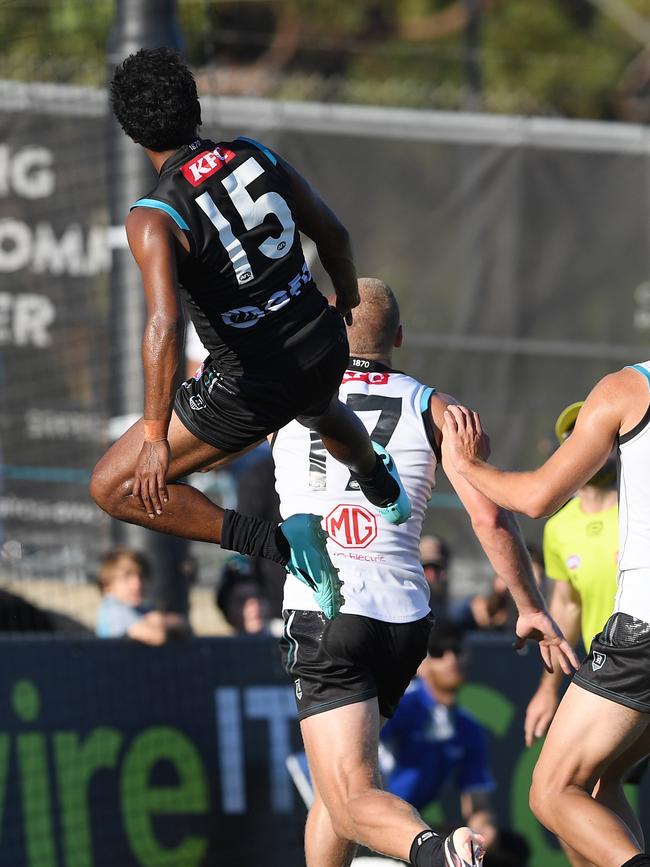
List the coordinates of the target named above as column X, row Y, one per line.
column 378, row 563
column 634, row 517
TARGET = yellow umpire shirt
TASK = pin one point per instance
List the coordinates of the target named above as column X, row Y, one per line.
column 583, row 550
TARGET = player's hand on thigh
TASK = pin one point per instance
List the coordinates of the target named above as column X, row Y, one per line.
column 150, row 477
column 554, row 649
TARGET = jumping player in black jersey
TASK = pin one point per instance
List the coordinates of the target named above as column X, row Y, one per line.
column 221, row 230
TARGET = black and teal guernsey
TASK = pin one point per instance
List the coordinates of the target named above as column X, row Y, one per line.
column 245, row 282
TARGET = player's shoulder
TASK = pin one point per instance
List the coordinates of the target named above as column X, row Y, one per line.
column 616, row 392
column 244, row 146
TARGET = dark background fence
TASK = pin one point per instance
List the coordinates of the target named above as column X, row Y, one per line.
column 518, row 250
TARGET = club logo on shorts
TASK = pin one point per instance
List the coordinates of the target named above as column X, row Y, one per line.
column 298, row 689
column 598, row 661
column 351, row 526
column 197, row 402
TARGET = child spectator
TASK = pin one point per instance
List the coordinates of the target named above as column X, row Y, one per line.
column 123, row 575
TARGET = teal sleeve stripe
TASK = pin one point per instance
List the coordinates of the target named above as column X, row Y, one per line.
column 426, row 397
column 642, row 370
column 260, row 147
column 162, row 206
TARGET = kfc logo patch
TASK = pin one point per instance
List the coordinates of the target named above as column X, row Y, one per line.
column 206, row 164
column 372, row 377
column 351, row 526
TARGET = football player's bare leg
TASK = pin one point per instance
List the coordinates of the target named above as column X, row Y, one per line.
column 342, row 746
column 588, row 734
column 187, row 513
column 610, row 792
column 323, row 846
column 573, row 857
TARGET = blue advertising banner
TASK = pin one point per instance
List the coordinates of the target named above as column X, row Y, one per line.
column 114, row 753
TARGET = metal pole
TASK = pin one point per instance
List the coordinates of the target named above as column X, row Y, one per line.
column 473, row 77
column 138, row 24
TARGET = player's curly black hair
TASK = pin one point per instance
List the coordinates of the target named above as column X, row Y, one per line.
column 153, row 97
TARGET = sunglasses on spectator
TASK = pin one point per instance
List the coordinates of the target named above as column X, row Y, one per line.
column 439, row 651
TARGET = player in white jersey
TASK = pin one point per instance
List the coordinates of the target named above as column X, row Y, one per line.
column 350, row 672
column 602, row 726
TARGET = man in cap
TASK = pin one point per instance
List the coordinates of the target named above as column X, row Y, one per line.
column 435, row 556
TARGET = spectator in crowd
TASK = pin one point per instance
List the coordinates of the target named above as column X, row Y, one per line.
column 240, row 597
column 494, row 610
column 123, row 576
column 430, row 738
column 434, row 556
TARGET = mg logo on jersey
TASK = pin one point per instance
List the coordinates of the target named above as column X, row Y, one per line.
column 351, row 526
column 206, row 164
column 598, row 661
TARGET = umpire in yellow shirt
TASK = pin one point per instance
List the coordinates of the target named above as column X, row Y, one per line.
column 581, row 547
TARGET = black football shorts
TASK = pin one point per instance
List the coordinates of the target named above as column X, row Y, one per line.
column 618, row 665
column 231, row 411
column 350, row 659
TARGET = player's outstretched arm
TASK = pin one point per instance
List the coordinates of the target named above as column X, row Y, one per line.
column 541, row 492
column 153, row 243
column 320, row 223
column 502, row 542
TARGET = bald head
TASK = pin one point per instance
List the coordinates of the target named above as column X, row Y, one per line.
column 376, row 320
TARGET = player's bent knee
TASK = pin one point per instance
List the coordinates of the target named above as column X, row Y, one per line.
column 343, row 824
column 342, row 816
column 108, row 492
column 98, row 488
column 542, row 798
